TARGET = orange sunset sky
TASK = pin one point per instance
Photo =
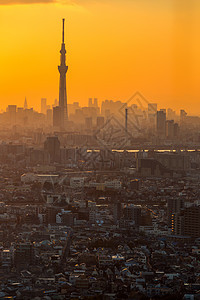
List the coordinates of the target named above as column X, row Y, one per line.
column 114, row 48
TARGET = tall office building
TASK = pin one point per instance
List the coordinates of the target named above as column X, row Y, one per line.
column 183, row 115
column 12, row 110
column 171, row 114
column 192, row 221
column 90, row 102
column 174, row 206
column 52, row 146
column 56, row 116
column 43, row 106
column 49, row 117
column 95, row 102
column 161, row 124
column 176, row 131
column 62, row 89
column 187, row 222
column 183, row 118
column 170, row 129
column 25, row 104
column 132, row 213
column 152, row 111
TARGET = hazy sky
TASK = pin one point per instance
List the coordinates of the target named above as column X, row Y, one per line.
column 115, row 47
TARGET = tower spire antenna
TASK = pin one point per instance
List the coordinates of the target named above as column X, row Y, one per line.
column 25, row 104
column 63, row 32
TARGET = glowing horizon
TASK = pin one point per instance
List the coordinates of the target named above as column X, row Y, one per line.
column 113, row 50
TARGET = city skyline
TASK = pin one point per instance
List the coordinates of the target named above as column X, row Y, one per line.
column 110, row 55
column 99, row 164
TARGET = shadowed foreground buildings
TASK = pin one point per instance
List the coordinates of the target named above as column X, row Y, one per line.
column 72, row 237
column 187, row 222
column 72, row 228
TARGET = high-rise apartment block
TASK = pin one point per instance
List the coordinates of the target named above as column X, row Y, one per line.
column 161, row 124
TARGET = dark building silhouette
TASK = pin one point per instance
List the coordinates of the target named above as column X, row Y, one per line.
column 161, row 124
column 176, row 131
column 187, row 222
column 24, row 254
column 192, row 221
column 56, row 116
column 51, row 213
column 95, row 102
column 52, row 146
column 132, row 213
column 38, row 156
column 151, row 167
column 25, row 104
column 62, row 89
column 12, row 110
column 49, row 117
column 173, row 160
column 92, row 103
column 174, row 206
column 126, row 119
column 117, row 211
column 170, row 129
column 43, row 106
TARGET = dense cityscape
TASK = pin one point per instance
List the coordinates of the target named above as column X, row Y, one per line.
column 99, row 202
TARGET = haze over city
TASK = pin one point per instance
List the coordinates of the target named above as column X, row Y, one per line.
column 99, row 150
column 113, row 49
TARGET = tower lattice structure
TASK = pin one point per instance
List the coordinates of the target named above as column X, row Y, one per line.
column 62, row 87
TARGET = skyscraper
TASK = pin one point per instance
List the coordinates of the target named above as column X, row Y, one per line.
column 174, row 206
column 25, row 104
column 52, row 146
column 56, row 117
column 95, row 102
column 90, row 102
column 12, row 109
column 170, row 129
column 43, row 106
column 187, row 222
column 62, row 89
column 161, row 124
